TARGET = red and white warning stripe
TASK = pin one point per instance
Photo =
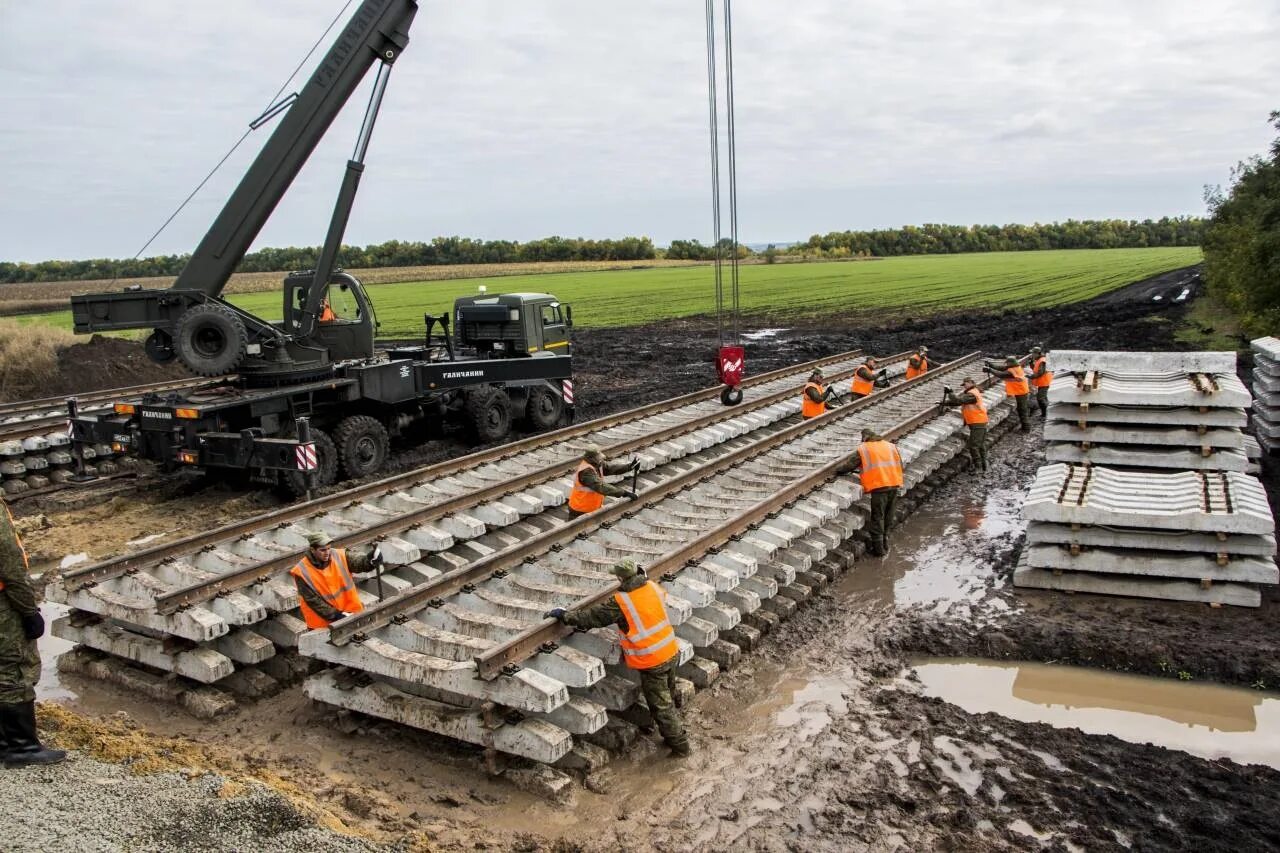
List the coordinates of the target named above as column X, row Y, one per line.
column 306, row 456
column 566, row 388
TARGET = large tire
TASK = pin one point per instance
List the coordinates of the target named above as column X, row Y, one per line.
column 362, row 445
column 544, row 408
column 489, row 411
column 326, row 473
column 210, row 339
column 159, row 347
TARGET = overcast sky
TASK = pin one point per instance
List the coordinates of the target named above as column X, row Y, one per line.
column 586, row 118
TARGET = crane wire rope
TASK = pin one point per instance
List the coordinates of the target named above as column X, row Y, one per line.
column 716, row 217
column 712, row 99
column 274, row 107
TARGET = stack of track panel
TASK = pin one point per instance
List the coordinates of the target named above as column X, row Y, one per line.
column 1266, row 393
column 1150, row 493
column 1180, row 411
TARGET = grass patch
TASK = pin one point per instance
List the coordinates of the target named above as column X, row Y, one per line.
column 919, row 285
column 1210, row 324
column 29, row 357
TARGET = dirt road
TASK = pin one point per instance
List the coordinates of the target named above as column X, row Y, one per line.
column 820, row 740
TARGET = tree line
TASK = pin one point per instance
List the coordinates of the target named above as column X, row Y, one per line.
column 394, row 253
column 889, row 242
column 1242, row 240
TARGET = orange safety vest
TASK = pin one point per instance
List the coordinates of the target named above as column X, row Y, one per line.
column 1016, row 385
column 333, row 583
column 808, row 408
column 881, row 465
column 326, row 313
column 649, row 640
column 862, row 387
column 582, row 499
column 913, row 372
column 974, row 413
column 1040, row 381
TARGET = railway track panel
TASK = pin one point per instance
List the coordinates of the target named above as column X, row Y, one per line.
column 730, row 545
column 227, row 588
column 35, row 450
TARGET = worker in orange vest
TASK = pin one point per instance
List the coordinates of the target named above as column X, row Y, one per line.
column 866, row 379
column 1016, row 386
column 325, row 580
column 974, row 411
column 918, row 364
column 648, row 641
column 879, row 468
column 813, row 401
column 590, row 489
column 1041, row 379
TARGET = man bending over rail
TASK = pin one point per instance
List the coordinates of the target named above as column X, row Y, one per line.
column 324, row 577
column 589, row 487
column 648, row 644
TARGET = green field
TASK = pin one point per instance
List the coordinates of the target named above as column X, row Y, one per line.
column 919, row 284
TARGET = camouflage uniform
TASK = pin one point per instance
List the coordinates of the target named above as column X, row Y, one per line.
column 19, row 659
column 357, row 564
column 977, row 442
column 657, row 684
column 1021, row 402
column 883, row 504
column 593, row 481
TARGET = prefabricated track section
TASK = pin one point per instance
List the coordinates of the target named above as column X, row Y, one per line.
column 190, row 589
column 36, row 455
column 426, row 651
column 1153, row 499
column 1265, row 413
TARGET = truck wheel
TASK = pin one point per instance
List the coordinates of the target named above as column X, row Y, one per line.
column 326, row 472
column 159, row 347
column 544, row 408
column 490, row 413
column 210, row 339
column 362, row 445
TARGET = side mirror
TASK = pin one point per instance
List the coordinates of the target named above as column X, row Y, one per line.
column 568, row 316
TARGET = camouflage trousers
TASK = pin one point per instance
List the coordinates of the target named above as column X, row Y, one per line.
column 19, row 660
column 977, row 446
column 883, row 502
column 1022, row 405
column 1042, row 400
column 658, row 686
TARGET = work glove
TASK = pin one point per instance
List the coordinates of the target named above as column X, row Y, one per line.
column 635, row 464
column 632, row 495
column 946, row 390
column 33, row 626
column 556, row 613
column 375, row 556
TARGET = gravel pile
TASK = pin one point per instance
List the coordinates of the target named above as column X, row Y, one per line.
column 87, row 805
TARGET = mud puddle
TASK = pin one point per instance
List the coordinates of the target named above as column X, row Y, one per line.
column 940, row 556
column 1206, row 720
column 51, row 685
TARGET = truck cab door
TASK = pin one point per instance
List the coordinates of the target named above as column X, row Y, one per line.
column 346, row 325
column 554, row 330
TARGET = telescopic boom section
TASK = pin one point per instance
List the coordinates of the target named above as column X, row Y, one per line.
column 377, row 32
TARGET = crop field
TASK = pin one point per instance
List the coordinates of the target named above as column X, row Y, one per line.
column 908, row 285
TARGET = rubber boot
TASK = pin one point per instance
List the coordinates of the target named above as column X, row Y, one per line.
column 680, row 747
column 25, row 749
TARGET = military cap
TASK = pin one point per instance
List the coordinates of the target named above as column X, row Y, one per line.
column 868, row 434
column 625, row 569
column 1010, row 360
column 592, row 451
column 318, row 539
column 923, row 350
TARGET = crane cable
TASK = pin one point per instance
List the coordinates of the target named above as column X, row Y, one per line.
column 274, row 107
column 716, row 220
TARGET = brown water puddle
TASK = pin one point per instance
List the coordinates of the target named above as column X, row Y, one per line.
column 940, row 556
column 1207, row 720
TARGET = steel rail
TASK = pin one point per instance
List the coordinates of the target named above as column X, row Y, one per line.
column 355, row 626
column 251, row 574
column 493, row 661
column 109, row 395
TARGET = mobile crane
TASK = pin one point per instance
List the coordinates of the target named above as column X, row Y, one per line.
column 320, row 361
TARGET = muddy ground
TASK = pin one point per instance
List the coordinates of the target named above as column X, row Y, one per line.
column 817, row 740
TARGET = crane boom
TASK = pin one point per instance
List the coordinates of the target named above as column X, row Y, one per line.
column 378, row 31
